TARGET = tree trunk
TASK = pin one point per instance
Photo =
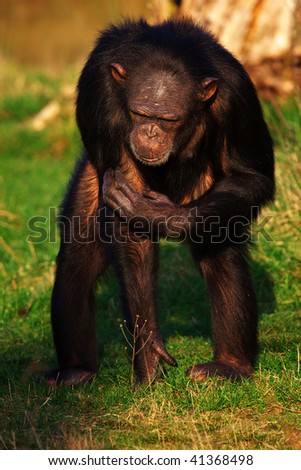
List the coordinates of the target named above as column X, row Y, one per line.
column 265, row 35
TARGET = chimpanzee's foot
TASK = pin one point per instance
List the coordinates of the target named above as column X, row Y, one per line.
column 72, row 376
column 219, row 368
column 146, row 367
column 148, row 357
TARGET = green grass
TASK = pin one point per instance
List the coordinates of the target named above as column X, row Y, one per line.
column 176, row 413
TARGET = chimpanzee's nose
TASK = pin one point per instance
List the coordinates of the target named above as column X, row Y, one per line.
column 152, row 131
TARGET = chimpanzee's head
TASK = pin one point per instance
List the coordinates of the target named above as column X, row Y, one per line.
column 159, row 103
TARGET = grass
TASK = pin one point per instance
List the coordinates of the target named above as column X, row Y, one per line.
column 177, row 413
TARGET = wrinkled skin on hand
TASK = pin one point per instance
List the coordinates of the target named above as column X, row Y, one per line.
column 151, row 208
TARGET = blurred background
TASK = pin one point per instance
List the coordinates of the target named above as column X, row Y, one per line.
column 53, row 34
column 264, row 34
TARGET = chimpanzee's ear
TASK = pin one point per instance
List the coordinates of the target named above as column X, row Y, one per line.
column 209, row 87
column 118, row 72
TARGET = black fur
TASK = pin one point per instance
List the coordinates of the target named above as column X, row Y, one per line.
column 222, row 174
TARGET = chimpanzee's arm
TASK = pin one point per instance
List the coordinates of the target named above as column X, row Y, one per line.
column 237, row 198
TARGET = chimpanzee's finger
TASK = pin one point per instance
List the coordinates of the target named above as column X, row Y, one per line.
column 125, row 188
column 108, row 181
column 151, row 194
column 119, row 203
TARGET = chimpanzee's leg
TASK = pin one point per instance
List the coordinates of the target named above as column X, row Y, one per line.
column 234, row 313
column 135, row 263
column 81, row 260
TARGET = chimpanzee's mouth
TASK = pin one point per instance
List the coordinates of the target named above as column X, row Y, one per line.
column 156, row 160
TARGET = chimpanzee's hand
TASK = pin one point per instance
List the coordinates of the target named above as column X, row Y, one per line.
column 128, row 204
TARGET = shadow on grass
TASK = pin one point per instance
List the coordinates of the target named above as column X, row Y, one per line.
column 184, row 311
column 183, row 302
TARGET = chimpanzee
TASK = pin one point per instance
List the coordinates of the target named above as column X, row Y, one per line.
column 175, row 145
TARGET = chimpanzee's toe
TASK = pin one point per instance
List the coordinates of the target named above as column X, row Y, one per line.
column 71, row 376
column 217, row 368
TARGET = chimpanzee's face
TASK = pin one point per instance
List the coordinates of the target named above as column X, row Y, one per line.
column 159, row 103
column 158, row 106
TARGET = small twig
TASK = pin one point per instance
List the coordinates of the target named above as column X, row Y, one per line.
column 125, row 336
column 144, row 344
column 132, row 338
